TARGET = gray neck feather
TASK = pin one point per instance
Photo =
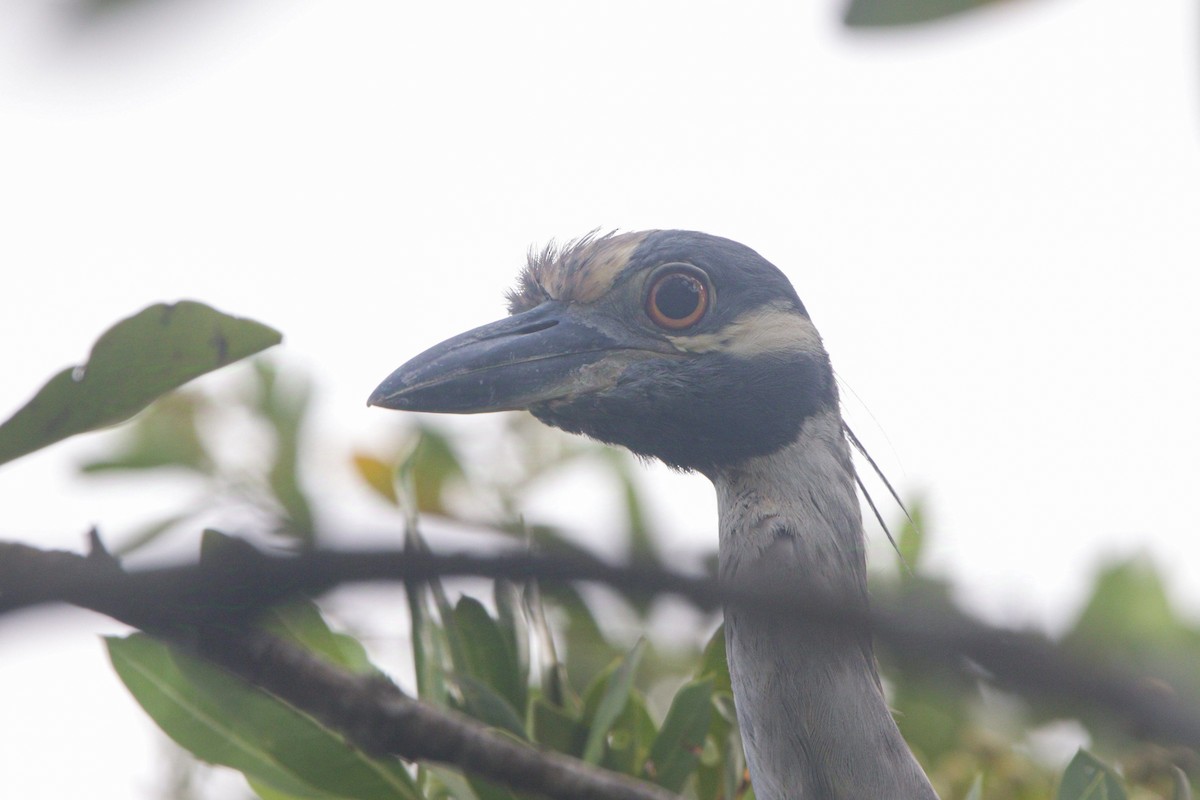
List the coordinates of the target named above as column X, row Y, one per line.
column 813, row 717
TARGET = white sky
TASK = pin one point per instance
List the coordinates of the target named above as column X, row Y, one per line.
column 994, row 222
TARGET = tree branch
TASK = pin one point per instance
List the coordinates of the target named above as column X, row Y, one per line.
column 376, row 716
column 184, row 606
column 172, row 599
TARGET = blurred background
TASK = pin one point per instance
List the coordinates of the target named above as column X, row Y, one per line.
column 991, row 218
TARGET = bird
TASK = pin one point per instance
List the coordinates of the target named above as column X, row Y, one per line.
column 695, row 350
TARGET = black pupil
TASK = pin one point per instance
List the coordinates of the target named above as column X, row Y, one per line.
column 677, row 296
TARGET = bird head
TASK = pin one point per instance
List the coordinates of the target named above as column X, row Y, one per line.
column 678, row 345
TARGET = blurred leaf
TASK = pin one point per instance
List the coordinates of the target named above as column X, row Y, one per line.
column 164, row 436
column 641, row 537
column 932, row 707
column 630, row 737
column 1129, row 607
column 432, row 465
column 721, row 767
column 223, row 720
column 676, row 750
column 1088, row 778
column 379, row 476
column 514, row 628
column 486, row 790
column 284, row 408
column 557, row 729
column 488, row 706
column 911, row 541
column 131, row 364
column 589, row 653
column 976, row 791
column 433, row 649
column 1181, row 788
column 267, row 792
column 489, row 657
column 149, row 533
column 612, row 702
column 555, row 683
column 713, row 662
column 428, row 646
column 300, row 621
column 453, row 785
column 540, row 449
column 886, row 13
column 1129, row 622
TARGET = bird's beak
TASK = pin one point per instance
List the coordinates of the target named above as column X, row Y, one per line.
column 539, row 355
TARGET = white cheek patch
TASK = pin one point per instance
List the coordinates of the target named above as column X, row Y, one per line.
column 763, row 331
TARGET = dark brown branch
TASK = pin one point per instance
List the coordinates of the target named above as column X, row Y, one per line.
column 379, row 718
column 161, row 600
column 370, row 711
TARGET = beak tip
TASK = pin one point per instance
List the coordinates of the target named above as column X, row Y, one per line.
column 383, row 397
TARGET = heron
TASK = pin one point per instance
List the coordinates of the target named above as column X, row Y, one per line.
column 695, row 350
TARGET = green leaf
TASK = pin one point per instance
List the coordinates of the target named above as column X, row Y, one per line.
column 719, row 773
column 676, row 750
column 452, row 784
column 641, row 537
column 430, row 642
column 267, row 792
column 487, row 705
column 588, row 652
column 284, row 407
column 428, row 645
column 630, row 738
column 300, row 621
column 1129, row 606
column 489, row 656
column 514, row 627
column 131, row 364
column 714, row 662
column 1089, row 778
column 887, row 13
column 164, row 436
column 223, row 720
column 486, row 790
column 616, row 694
column 911, row 541
column 433, row 464
column 553, row 679
column 557, row 729
column 976, row 790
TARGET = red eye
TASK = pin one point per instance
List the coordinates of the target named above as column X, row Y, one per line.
column 678, row 298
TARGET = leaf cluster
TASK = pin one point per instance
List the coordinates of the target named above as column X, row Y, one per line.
column 542, row 664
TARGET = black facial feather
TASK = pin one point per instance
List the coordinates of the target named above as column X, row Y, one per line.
column 701, row 412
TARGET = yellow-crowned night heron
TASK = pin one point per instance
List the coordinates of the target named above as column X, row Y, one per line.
column 695, row 350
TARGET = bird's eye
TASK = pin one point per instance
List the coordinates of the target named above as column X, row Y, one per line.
column 678, row 297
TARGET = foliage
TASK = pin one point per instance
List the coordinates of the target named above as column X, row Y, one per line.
column 539, row 662
column 885, row 14
column 132, row 364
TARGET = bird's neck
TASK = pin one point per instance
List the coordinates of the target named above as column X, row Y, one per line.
column 812, row 714
column 804, row 493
